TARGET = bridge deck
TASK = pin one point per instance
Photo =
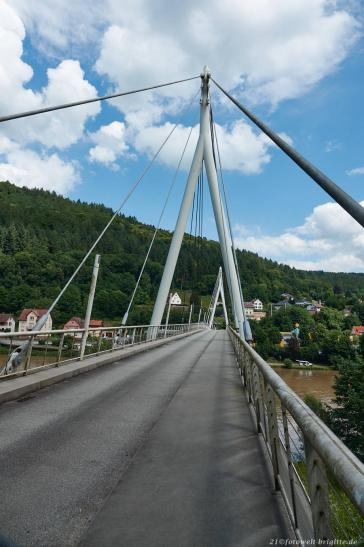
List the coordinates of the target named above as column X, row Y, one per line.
column 159, row 450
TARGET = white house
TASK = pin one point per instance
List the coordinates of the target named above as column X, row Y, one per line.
column 29, row 317
column 258, row 304
column 252, row 313
column 249, row 309
column 7, row 322
column 175, row 299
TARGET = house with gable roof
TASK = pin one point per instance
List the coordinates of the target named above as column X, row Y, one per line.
column 29, row 317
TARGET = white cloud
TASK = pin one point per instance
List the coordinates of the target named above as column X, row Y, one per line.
column 110, row 144
column 274, row 51
column 269, row 51
column 332, row 146
column 328, row 240
column 148, row 140
column 65, row 83
column 241, row 148
column 356, row 171
column 25, row 167
column 266, row 51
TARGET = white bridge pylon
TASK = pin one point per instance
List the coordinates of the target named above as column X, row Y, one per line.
column 218, row 292
column 203, row 154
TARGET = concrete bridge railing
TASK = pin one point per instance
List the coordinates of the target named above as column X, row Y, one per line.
column 44, row 349
column 320, row 479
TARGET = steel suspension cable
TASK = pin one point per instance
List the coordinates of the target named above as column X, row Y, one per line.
column 174, row 178
column 86, row 101
column 124, row 201
column 348, row 203
column 39, row 324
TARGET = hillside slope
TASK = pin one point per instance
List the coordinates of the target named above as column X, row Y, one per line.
column 43, row 236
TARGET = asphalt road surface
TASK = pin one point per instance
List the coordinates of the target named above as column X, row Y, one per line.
column 156, row 450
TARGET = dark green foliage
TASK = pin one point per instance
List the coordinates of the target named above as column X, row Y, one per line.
column 323, row 337
column 44, row 236
column 347, row 417
column 318, row 407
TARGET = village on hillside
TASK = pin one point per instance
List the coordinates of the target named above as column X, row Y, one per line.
column 255, row 310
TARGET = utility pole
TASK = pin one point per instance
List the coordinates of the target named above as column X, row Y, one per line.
column 189, row 319
column 95, row 273
column 167, row 317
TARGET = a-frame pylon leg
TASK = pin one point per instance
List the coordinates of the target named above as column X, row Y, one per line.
column 179, row 231
column 203, row 152
column 218, row 292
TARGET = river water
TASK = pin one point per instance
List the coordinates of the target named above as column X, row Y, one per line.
column 317, row 382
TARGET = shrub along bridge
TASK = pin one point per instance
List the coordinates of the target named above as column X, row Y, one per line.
column 178, row 434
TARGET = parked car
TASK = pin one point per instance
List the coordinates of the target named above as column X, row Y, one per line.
column 303, row 363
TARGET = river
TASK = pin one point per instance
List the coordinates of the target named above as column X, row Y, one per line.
column 317, row 382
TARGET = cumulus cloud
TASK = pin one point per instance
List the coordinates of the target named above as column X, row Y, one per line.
column 276, row 50
column 110, row 144
column 356, row 171
column 25, row 167
column 241, row 148
column 268, row 51
column 65, row 82
column 329, row 239
column 148, row 140
column 265, row 51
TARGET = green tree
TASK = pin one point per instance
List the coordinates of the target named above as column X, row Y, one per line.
column 361, row 346
column 348, row 413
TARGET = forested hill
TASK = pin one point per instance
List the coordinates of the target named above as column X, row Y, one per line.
column 43, row 237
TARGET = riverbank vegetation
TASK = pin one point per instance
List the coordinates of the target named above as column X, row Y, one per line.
column 324, row 337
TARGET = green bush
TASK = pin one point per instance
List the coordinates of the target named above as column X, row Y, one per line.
column 287, row 363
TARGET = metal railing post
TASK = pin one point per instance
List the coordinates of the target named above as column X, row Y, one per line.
column 99, row 343
column 289, row 465
column 60, row 347
column 273, row 432
column 249, row 379
column 257, row 397
column 319, row 493
column 29, row 355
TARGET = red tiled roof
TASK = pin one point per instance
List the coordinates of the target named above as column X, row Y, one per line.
column 79, row 322
column 96, row 323
column 24, row 314
column 357, row 330
column 4, row 317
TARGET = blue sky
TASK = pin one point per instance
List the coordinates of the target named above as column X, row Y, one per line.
column 298, row 65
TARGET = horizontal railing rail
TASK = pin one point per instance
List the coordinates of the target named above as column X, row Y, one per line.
column 321, row 480
column 52, row 348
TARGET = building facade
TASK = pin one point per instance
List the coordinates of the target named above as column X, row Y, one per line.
column 29, row 317
column 7, row 322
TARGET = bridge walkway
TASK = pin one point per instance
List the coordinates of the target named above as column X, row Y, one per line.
column 157, row 450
